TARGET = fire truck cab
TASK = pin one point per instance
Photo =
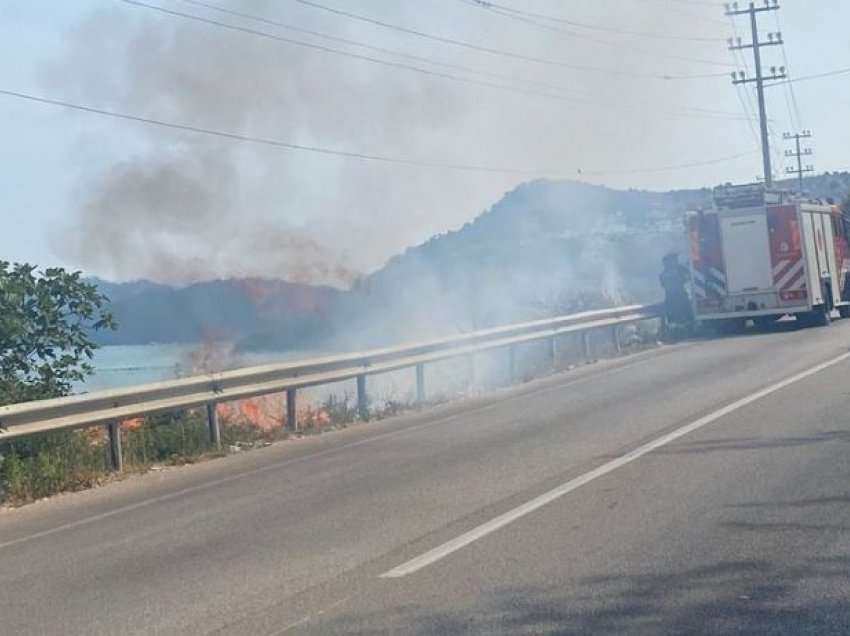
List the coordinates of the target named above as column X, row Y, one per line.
column 763, row 254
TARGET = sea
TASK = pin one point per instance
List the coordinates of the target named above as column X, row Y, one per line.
column 119, row 366
column 125, row 365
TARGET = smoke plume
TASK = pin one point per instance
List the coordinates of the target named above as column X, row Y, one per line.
column 179, row 206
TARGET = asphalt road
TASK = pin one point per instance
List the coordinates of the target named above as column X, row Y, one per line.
column 701, row 488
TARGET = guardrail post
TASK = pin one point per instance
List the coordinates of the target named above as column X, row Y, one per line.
column 116, row 459
column 512, row 364
column 588, row 347
column 615, row 337
column 213, row 425
column 291, row 413
column 420, row 382
column 362, row 404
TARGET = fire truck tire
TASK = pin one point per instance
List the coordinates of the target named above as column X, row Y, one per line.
column 844, row 311
column 730, row 326
column 764, row 322
column 819, row 317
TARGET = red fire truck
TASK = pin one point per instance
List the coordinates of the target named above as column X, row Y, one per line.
column 760, row 254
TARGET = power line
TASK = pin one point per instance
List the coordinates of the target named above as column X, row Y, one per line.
column 326, row 49
column 798, row 153
column 742, row 94
column 686, row 112
column 593, row 27
column 490, row 8
column 377, row 49
column 793, row 107
column 683, row 166
column 740, row 78
column 677, row 8
column 499, row 52
column 806, row 78
column 345, row 153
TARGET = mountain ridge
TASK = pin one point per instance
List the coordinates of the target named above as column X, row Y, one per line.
column 545, row 247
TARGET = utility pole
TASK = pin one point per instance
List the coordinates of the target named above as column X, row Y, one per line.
column 799, row 153
column 773, row 39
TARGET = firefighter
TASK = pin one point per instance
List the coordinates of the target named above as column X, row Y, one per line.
column 677, row 305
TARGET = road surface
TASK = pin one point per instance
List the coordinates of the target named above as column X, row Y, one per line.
column 700, row 488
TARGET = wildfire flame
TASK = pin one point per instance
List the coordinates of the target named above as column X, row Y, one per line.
column 267, row 413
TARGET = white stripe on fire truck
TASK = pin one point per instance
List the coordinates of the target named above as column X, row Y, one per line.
column 792, row 274
column 717, row 280
column 782, row 264
column 716, row 273
column 781, row 268
column 798, row 283
column 717, row 288
column 699, row 284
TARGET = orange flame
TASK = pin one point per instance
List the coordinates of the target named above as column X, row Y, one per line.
column 265, row 412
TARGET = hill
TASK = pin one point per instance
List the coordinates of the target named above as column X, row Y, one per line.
column 546, row 247
column 227, row 309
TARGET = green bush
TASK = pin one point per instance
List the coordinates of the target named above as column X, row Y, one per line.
column 166, row 438
column 46, row 322
column 44, row 465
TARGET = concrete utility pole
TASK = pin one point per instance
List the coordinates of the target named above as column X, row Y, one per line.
column 799, row 153
column 773, row 39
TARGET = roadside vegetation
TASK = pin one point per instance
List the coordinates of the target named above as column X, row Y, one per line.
column 47, row 322
column 43, row 465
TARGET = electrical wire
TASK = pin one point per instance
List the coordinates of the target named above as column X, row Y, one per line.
column 684, row 113
column 493, row 9
column 345, row 153
column 499, row 52
column 806, row 78
column 742, row 93
column 377, row 49
column 593, row 27
column 326, row 49
column 788, row 89
column 676, row 8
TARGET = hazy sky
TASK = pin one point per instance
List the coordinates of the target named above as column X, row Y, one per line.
column 127, row 200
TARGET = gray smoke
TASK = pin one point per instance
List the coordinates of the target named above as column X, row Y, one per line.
column 179, row 206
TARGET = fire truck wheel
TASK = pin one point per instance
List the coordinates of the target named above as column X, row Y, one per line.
column 844, row 311
column 764, row 322
column 730, row 326
column 820, row 317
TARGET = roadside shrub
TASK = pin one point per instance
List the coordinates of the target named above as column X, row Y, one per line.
column 44, row 465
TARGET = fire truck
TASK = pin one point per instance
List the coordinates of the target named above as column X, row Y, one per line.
column 761, row 254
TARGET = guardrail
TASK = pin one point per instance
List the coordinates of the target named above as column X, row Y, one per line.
column 112, row 406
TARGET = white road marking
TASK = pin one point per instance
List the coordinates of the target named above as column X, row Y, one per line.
column 498, row 402
column 444, row 550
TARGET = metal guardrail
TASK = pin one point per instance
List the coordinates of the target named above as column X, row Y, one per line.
column 112, row 406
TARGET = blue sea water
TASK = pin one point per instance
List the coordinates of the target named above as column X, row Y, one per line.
column 125, row 365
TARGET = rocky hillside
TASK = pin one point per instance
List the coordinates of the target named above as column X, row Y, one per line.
column 546, row 247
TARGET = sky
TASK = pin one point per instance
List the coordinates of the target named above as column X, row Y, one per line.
column 566, row 88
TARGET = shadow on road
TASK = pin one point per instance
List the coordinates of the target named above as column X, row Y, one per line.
column 753, row 443
column 731, row 597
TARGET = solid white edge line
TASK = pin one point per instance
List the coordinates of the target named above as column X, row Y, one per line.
column 444, row 550
column 494, row 403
